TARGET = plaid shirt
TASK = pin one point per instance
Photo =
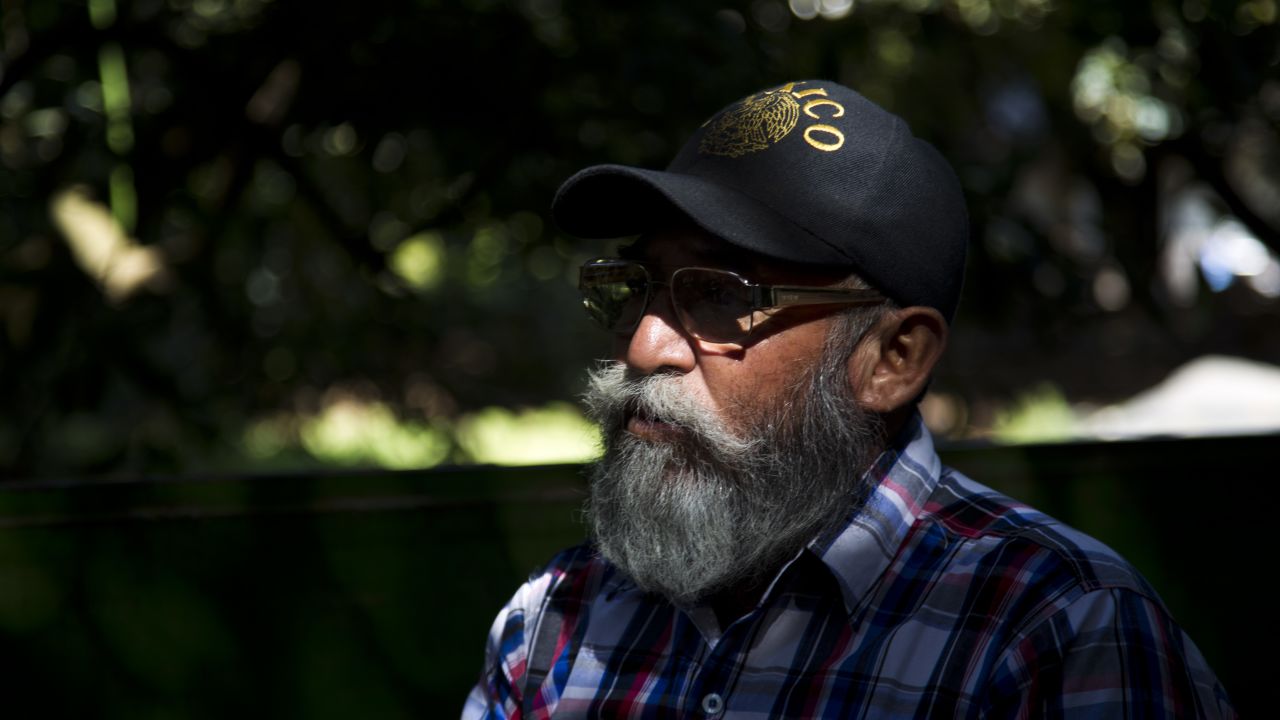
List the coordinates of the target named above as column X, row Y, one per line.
column 939, row 598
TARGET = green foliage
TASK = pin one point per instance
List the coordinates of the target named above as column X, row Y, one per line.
column 213, row 214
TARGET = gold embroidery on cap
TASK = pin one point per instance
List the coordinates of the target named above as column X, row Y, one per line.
column 755, row 124
column 809, row 106
column 765, row 118
column 837, row 137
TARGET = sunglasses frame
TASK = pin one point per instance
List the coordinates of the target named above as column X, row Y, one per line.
column 764, row 297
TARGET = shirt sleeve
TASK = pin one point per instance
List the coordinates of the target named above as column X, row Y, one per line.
column 1111, row 652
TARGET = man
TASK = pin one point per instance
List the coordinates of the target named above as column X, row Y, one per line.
column 772, row 534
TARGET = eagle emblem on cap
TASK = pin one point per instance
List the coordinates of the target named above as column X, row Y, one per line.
column 752, row 125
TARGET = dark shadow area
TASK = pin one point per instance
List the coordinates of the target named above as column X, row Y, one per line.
column 353, row 595
column 369, row 594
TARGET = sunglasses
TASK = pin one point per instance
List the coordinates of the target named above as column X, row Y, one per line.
column 716, row 306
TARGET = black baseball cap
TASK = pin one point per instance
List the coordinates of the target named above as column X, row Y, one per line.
column 808, row 172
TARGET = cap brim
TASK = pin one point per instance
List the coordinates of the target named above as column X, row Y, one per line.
column 611, row 201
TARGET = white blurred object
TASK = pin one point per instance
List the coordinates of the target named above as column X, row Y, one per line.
column 118, row 263
column 1211, row 395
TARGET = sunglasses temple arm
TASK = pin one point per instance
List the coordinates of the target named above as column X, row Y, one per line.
column 785, row 296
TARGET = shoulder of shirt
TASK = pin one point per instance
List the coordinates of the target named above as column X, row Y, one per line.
column 574, row 561
column 991, row 522
column 568, row 561
column 569, row 570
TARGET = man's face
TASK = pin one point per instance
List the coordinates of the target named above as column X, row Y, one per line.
column 730, row 381
column 721, row 462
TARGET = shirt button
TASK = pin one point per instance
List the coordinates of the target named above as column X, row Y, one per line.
column 712, row 704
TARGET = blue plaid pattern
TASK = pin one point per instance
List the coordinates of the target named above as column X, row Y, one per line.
column 938, row 598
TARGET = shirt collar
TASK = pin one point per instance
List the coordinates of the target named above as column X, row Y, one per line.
column 905, row 476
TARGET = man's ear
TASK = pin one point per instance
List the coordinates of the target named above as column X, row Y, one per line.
column 892, row 364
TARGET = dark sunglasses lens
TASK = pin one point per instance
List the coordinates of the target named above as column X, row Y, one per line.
column 713, row 305
column 614, row 294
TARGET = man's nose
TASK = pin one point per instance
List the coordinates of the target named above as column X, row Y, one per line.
column 658, row 342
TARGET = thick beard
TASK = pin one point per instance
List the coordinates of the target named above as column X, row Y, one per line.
column 709, row 509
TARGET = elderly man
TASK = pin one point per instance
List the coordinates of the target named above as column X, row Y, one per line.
column 772, row 534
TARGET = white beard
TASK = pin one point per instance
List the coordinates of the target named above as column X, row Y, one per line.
column 709, row 510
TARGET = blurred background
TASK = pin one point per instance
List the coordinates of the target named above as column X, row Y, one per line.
column 277, row 248
column 240, row 234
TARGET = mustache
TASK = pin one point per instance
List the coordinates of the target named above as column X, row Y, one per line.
column 614, row 395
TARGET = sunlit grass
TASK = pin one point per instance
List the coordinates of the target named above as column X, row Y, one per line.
column 552, row 434
column 354, row 433
column 1040, row 415
column 351, row 432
